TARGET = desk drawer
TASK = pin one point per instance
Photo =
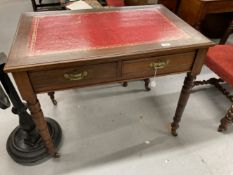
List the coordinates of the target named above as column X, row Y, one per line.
column 48, row 80
column 168, row 64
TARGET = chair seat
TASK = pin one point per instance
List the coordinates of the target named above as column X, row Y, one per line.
column 220, row 60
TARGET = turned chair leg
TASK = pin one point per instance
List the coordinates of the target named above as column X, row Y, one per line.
column 226, row 120
column 51, row 95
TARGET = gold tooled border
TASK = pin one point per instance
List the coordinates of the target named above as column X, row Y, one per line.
column 35, row 25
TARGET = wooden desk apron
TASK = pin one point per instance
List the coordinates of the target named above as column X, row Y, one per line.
column 69, row 49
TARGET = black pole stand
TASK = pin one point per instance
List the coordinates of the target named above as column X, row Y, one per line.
column 24, row 144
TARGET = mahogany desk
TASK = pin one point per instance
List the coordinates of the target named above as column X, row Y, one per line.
column 73, row 49
column 195, row 11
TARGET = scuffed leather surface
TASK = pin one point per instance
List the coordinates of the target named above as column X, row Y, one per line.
column 96, row 30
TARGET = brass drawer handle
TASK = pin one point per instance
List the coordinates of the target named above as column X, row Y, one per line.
column 75, row 76
column 159, row 65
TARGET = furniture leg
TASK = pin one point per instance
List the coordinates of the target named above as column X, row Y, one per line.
column 147, row 82
column 216, row 82
column 226, row 120
column 28, row 94
column 177, row 6
column 125, row 84
column 51, row 95
column 199, row 22
column 34, row 6
column 227, row 33
column 184, row 96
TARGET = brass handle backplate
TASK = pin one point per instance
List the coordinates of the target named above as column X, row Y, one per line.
column 75, row 75
column 159, row 64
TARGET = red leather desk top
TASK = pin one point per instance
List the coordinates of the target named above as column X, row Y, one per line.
column 44, row 39
column 94, row 30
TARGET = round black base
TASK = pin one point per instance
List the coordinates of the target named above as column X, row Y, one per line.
column 31, row 155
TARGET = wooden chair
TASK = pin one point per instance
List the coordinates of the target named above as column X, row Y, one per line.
column 45, row 6
column 220, row 60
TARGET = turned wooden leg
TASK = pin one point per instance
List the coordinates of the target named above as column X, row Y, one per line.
column 26, row 90
column 41, row 124
column 147, row 82
column 34, row 6
column 226, row 120
column 125, row 84
column 184, row 96
column 51, row 95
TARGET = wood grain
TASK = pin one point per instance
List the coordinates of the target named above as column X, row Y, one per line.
column 54, row 79
column 194, row 11
column 141, row 67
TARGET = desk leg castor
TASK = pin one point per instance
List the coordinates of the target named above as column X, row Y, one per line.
column 28, row 148
column 52, row 97
column 147, row 82
column 125, row 84
column 173, row 131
